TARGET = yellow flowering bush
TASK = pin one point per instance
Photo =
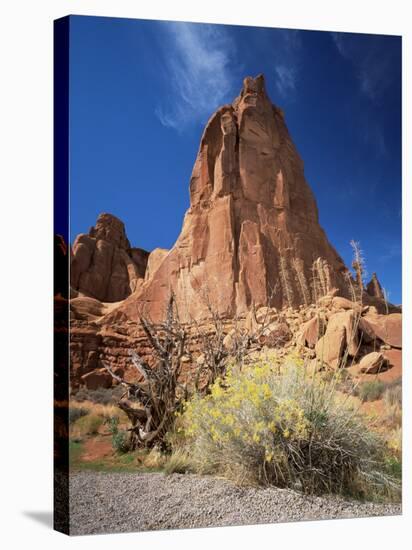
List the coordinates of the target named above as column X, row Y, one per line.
column 287, row 428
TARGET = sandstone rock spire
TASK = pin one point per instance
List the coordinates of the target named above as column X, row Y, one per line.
column 252, row 234
column 374, row 287
column 103, row 264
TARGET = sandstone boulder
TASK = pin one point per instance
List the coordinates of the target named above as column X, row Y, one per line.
column 340, row 337
column 310, row 332
column 98, row 378
column 347, row 320
column 338, row 302
column 373, row 363
column 276, row 335
column 329, row 349
column 385, row 328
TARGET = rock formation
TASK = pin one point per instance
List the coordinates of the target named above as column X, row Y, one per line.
column 103, row 264
column 251, row 245
column 251, row 234
column 374, row 288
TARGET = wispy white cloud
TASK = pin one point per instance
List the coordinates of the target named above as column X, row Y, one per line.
column 199, row 62
column 288, row 46
column 285, row 80
column 373, row 59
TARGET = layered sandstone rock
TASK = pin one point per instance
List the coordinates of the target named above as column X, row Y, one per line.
column 332, row 337
column 103, row 265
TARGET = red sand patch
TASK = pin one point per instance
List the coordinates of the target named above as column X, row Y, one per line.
column 373, row 408
column 97, row 448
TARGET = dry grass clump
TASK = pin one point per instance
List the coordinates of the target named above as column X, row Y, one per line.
column 87, row 425
column 87, row 418
column 180, row 462
column 287, row 428
column 393, row 394
column 392, row 399
column 105, row 411
column 153, row 459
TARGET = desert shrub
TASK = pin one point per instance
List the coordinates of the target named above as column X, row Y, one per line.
column 291, row 430
column 120, row 438
column 341, row 379
column 89, row 424
column 371, row 390
column 120, row 442
column 77, row 412
column 102, row 396
column 394, row 466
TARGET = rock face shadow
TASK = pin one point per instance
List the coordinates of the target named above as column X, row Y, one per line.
column 43, row 517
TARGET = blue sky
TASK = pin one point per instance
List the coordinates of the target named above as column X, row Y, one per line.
column 141, row 92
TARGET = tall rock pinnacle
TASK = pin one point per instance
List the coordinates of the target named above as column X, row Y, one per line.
column 251, row 235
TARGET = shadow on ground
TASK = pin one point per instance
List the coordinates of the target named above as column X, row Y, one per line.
column 44, row 518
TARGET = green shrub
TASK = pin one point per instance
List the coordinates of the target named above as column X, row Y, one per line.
column 394, row 466
column 120, row 442
column 120, row 438
column 77, row 412
column 289, row 429
column 371, row 390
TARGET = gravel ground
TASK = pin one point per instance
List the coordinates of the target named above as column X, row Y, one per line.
column 121, row 502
